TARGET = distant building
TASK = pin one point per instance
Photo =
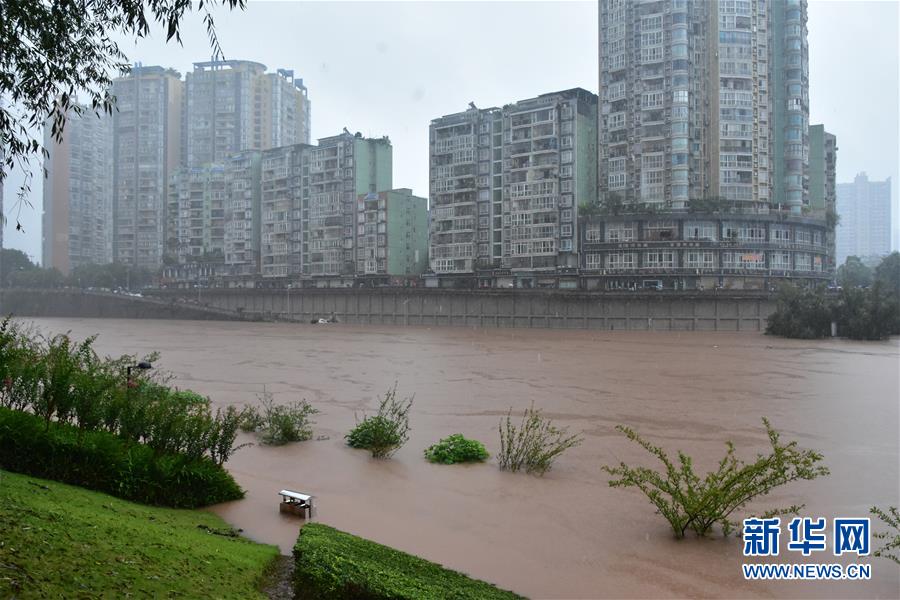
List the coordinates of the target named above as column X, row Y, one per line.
column 822, row 180
column 506, row 185
column 146, row 152
column 77, row 196
column 693, row 251
column 234, row 105
column 704, row 100
column 196, row 214
column 391, row 236
column 309, row 206
column 864, row 208
column 243, row 216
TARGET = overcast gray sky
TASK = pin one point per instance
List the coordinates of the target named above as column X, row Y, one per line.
column 388, row 68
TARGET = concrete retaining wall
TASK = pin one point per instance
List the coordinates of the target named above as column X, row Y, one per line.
column 533, row 308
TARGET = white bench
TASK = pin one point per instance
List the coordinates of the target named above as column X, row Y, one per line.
column 295, row 503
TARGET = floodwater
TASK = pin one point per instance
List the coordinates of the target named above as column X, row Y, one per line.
column 566, row 535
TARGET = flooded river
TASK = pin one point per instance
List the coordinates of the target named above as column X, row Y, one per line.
column 566, row 535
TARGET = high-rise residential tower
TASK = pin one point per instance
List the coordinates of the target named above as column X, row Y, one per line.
column 234, row 105
column 822, row 181
column 506, row 185
column 146, row 150
column 864, row 229
column 77, row 218
column 309, row 205
column 704, row 99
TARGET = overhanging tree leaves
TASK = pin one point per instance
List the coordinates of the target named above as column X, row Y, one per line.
column 52, row 51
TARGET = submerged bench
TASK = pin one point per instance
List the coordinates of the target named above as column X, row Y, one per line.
column 295, row 503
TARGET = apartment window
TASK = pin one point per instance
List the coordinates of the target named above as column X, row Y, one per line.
column 700, row 231
column 593, row 233
column 696, row 259
column 650, row 161
column 565, row 171
column 620, row 232
column 652, row 54
column 567, row 215
column 616, row 181
column 779, row 261
column 593, row 261
column 652, row 100
column 659, row 260
column 566, row 156
column 620, row 260
column 565, row 229
column 566, row 141
column 565, row 185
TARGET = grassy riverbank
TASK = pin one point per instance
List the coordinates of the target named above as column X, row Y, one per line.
column 62, row 541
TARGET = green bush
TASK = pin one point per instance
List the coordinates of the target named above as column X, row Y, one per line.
column 67, row 382
column 279, row 424
column 102, row 461
column 890, row 545
column 801, row 313
column 333, row 565
column 688, row 502
column 533, row 445
column 384, row 433
column 456, row 449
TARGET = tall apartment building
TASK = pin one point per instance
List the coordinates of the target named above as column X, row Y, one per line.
column 823, row 180
column 284, row 179
column 391, row 235
column 506, row 185
column 466, row 169
column 234, row 105
column 146, row 151
column 704, row 99
column 77, row 195
column 340, row 169
column 864, row 229
column 243, row 215
column 309, row 204
column 196, row 214
column 549, row 169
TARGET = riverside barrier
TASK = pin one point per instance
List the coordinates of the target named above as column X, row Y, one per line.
column 665, row 311
column 656, row 310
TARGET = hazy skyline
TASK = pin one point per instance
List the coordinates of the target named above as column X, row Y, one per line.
column 388, row 68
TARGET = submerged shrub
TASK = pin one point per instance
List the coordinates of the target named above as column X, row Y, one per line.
column 890, row 548
column 688, row 502
column 279, row 424
column 533, row 445
column 384, row 433
column 456, row 449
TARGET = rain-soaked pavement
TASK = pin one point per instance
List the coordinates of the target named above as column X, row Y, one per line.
column 566, row 535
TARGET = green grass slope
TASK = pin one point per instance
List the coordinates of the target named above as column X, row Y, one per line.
column 59, row 541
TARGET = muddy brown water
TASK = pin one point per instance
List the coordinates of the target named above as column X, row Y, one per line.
column 566, row 535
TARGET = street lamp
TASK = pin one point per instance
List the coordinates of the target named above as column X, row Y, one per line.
column 143, row 366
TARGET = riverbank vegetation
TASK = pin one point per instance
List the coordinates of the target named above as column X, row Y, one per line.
column 279, row 424
column 339, row 566
column 890, row 540
column 456, row 449
column 383, row 433
column 61, row 541
column 867, row 307
column 534, row 444
column 688, row 502
column 102, row 461
column 71, row 415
